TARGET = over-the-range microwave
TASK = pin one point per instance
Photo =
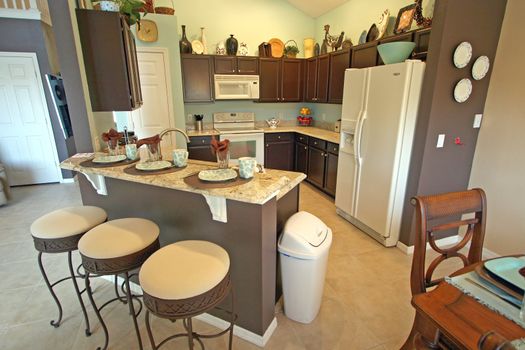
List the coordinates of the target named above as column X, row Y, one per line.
column 236, row 87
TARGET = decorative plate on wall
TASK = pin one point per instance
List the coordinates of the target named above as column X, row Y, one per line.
column 481, row 67
column 463, row 90
column 462, row 54
column 147, row 31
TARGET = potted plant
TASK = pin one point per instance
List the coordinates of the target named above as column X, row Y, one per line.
column 129, row 8
column 291, row 50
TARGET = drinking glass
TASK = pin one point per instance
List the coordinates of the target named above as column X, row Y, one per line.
column 223, row 159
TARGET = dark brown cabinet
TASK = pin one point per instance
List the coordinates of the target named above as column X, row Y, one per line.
column 321, row 163
column 364, row 56
column 197, row 78
column 280, row 80
column 110, row 58
column 199, row 148
column 236, row 65
column 279, row 151
column 301, row 153
column 339, row 62
column 316, row 78
column 269, row 79
column 422, row 40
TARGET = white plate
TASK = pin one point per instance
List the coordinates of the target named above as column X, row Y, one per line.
column 463, row 90
column 217, row 175
column 481, row 67
column 109, row 159
column 152, row 166
column 462, row 54
column 197, row 47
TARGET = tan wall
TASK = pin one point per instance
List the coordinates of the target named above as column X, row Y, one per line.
column 499, row 161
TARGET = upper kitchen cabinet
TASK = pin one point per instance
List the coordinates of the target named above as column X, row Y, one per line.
column 422, row 39
column 280, row 80
column 110, row 60
column 316, row 78
column 236, row 65
column 364, row 56
column 269, row 83
column 197, row 78
column 339, row 62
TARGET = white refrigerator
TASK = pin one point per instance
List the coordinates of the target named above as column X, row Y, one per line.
column 377, row 130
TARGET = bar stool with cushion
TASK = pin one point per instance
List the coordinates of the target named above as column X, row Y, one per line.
column 183, row 280
column 59, row 232
column 118, row 247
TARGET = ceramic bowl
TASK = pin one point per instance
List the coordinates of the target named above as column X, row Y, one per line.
column 396, row 52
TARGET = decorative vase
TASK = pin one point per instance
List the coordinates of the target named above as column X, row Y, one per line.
column 204, row 41
column 231, row 46
column 317, row 49
column 110, row 6
column 308, row 45
column 324, row 47
column 184, row 43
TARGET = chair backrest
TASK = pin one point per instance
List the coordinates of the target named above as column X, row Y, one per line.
column 443, row 212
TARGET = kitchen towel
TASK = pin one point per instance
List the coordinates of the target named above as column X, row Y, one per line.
column 217, row 207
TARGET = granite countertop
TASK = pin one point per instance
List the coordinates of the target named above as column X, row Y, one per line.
column 265, row 186
column 312, row 131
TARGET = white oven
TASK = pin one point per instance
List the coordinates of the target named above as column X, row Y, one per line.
column 245, row 139
column 245, row 145
column 236, row 87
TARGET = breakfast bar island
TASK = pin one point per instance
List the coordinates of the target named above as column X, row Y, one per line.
column 245, row 219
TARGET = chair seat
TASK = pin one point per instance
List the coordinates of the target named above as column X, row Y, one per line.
column 67, row 222
column 118, row 238
column 184, row 269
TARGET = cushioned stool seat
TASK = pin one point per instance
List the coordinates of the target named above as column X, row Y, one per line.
column 183, row 280
column 183, row 270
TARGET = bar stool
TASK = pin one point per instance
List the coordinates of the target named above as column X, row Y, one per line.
column 183, row 280
column 113, row 248
column 59, row 232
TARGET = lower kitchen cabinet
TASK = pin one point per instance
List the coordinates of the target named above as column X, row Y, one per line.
column 316, row 160
column 279, row 151
column 320, row 159
column 199, row 148
column 301, row 158
column 330, row 176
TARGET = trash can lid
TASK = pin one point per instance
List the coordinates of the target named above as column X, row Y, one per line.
column 305, row 236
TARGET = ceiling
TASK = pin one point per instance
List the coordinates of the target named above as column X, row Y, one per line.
column 316, row 8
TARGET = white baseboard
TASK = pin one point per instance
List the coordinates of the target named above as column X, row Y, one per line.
column 68, row 180
column 489, row 254
column 409, row 250
column 240, row 332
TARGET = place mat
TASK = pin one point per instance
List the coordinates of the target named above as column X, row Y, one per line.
column 195, row 182
column 90, row 164
column 131, row 170
column 469, row 283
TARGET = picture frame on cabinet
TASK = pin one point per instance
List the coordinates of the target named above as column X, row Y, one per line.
column 404, row 19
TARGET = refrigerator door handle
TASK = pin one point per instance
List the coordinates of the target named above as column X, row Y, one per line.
column 359, row 137
column 356, row 135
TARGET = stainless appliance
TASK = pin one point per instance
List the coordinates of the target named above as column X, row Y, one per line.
column 245, row 139
column 377, row 130
column 58, row 94
column 236, row 87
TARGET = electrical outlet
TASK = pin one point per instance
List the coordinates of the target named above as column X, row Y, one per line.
column 189, row 117
column 441, row 141
column 280, row 115
column 477, row 121
column 323, row 116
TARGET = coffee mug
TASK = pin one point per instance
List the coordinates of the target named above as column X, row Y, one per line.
column 131, row 151
column 247, row 167
column 180, row 157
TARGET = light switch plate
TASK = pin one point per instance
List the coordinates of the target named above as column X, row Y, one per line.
column 477, row 121
column 441, row 141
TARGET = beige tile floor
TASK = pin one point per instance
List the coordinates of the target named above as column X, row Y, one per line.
column 366, row 302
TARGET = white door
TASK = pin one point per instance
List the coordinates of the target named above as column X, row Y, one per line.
column 380, row 145
column 27, row 145
column 156, row 113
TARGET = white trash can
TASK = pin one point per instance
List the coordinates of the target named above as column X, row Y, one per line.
column 303, row 253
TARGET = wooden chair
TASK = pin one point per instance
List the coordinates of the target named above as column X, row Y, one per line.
column 438, row 213
column 494, row 341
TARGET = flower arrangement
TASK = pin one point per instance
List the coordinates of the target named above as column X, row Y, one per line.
column 305, row 119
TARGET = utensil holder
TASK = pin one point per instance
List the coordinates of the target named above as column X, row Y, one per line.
column 198, row 125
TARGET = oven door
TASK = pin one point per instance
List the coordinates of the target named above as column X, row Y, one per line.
column 245, row 145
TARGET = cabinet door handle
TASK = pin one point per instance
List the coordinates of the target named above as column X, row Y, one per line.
column 279, row 137
column 326, row 155
column 322, row 154
column 306, row 148
column 203, row 141
column 267, row 145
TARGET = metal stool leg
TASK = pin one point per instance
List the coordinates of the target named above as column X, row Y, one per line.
column 97, row 312
column 57, row 322
column 232, row 320
column 132, row 309
column 77, row 290
column 190, row 334
column 150, row 333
